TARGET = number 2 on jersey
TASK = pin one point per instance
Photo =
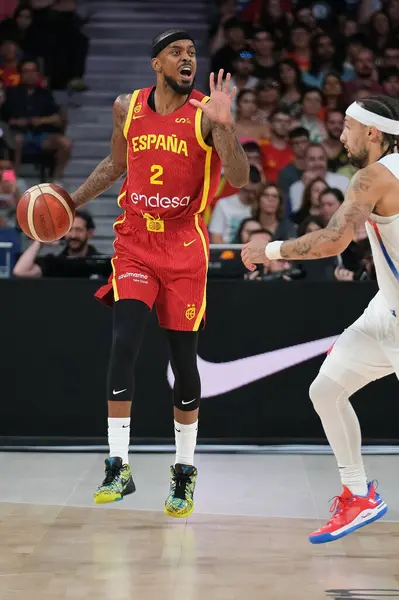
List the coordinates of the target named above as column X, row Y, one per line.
column 157, row 171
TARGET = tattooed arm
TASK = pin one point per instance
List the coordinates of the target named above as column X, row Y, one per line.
column 234, row 160
column 365, row 190
column 360, row 200
column 114, row 165
column 218, row 128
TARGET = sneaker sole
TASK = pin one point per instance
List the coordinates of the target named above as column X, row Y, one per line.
column 324, row 538
column 178, row 515
column 106, row 499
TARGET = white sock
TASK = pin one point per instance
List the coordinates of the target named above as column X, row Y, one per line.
column 354, row 477
column 341, row 426
column 118, row 438
column 186, row 440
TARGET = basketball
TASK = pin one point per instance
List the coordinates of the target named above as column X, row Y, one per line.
column 45, row 212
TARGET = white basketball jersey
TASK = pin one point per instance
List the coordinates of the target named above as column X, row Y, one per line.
column 383, row 233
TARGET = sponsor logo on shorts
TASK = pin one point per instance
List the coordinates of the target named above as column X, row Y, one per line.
column 190, row 312
column 159, row 201
column 138, row 277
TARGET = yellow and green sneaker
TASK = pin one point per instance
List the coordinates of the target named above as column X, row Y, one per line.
column 118, row 482
column 180, row 502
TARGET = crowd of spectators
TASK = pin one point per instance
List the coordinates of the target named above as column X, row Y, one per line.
column 42, row 51
column 297, row 66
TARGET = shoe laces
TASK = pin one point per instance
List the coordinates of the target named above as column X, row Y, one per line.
column 110, row 473
column 180, row 482
column 338, row 503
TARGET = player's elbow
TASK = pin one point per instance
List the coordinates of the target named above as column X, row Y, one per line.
column 238, row 177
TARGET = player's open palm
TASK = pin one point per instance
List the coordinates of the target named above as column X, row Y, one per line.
column 218, row 109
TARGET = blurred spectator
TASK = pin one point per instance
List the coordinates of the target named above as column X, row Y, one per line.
column 391, row 53
column 292, row 87
column 349, row 27
column 65, row 46
column 225, row 189
column 247, row 129
column 392, row 8
column 305, row 16
column 9, row 59
column 337, row 155
column 366, row 75
column 35, row 117
column 7, row 137
column 7, row 7
column 277, row 153
column 299, row 141
column 270, row 213
column 310, row 206
column 50, row 265
column 267, row 99
column 227, row 9
column 299, row 50
column 246, row 228
column 276, row 15
column 390, row 82
column 9, row 192
column 354, row 45
column 312, row 112
column 242, row 78
column 309, row 225
column 334, row 92
column 315, row 166
column 325, row 57
column 20, row 30
column 264, row 63
column 234, row 33
column 379, row 31
column 229, row 212
column 330, row 201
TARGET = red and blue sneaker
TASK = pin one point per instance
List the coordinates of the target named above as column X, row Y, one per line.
column 350, row 513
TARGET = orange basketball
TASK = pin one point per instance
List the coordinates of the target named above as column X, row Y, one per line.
column 45, row 212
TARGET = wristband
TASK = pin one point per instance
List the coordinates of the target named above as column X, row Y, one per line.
column 272, row 250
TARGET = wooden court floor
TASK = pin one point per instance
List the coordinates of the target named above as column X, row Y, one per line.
column 58, row 552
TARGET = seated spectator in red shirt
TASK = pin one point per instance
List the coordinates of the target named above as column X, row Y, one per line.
column 35, row 117
column 299, row 46
column 277, row 153
column 9, row 60
column 366, row 75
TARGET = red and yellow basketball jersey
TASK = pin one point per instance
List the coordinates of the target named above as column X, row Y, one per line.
column 171, row 171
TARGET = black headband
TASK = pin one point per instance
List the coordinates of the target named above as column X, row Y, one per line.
column 170, row 36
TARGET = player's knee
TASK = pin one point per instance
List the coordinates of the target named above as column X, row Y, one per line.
column 65, row 144
column 325, row 390
column 187, row 403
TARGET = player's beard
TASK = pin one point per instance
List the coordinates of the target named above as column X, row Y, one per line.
column 182, row 90
column 360, row 159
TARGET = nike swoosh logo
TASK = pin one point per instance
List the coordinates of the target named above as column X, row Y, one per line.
column 189, row 402
column 118, row 392
column 138, row 116
column 188, row 243
column 220, row 378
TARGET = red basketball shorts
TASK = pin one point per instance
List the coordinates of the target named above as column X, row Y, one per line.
column 161, row 263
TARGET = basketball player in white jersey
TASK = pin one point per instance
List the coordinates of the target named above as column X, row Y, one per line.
column 368, row 349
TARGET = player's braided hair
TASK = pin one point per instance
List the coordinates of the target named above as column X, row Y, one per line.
column 388, row 107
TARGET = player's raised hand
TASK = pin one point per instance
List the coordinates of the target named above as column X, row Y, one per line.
column 218, row 109
column 253, row 254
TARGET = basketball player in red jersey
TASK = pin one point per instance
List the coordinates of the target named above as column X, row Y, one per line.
column 172, row 141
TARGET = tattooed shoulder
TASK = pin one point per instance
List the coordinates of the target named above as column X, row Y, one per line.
column 364, row 179
column 121, row 107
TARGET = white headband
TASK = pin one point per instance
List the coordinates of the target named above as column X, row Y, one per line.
column 370, row 119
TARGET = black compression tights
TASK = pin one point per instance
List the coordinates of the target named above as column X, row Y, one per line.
column 130, row 318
